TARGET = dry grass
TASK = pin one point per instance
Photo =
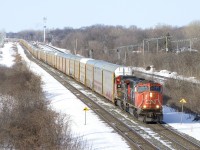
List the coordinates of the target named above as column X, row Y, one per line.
column 176, row 90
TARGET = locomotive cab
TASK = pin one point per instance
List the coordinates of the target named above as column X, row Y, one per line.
column 149, row 96
column 149, row 100
column 140, row 97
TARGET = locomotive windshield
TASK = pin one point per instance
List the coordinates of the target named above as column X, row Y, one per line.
column 143, row 88
column 146, row 88
column 155, row 88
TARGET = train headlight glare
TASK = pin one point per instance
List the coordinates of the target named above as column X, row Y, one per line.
column 157, row 106
column 151, row 95
column 144, row 106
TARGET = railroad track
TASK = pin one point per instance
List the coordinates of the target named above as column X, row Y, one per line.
column 135, row 132
column 180, row 141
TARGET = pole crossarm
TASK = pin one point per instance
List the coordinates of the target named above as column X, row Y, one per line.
column 154, row 39
column 128, row 46
column 185, row 40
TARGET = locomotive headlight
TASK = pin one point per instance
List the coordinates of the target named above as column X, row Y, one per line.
column 157, row 106
column 151, row 95
column 144, row 106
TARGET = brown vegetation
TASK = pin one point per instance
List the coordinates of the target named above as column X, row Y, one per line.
column 177, row 90
column 186, row 63
column 26, row 119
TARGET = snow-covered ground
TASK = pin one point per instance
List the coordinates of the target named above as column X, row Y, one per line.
column 166, row 74
column 182, row 122
column 6, row 57
column 98, row 134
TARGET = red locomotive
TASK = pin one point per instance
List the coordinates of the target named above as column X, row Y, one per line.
column 140, row 97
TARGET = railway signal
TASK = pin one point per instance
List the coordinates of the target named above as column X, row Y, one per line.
column 85, row 109
column 182, row 101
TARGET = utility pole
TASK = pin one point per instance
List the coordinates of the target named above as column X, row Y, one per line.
column 157, row 45
column 166, row 44
column 76, row 43
column 44, row 21
column 177, row 46
column 126, row 50
column 75, row 47
column 143, row 47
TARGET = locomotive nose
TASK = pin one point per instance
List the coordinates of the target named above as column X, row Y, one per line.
column 151, row 100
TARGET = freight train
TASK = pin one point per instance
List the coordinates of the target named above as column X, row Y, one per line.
column 137, row 96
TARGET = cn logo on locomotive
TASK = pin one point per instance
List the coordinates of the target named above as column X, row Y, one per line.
column 150, row 102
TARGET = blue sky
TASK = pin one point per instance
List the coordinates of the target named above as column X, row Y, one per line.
column 17, row 15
